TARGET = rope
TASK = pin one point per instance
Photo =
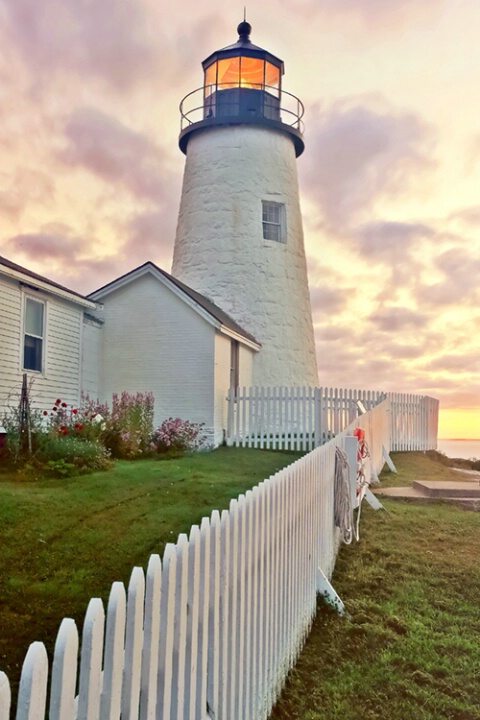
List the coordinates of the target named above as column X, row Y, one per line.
column 343, row 511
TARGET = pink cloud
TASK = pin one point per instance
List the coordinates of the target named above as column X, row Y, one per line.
column 118, row 155
column 112, row 39
column 358, row 154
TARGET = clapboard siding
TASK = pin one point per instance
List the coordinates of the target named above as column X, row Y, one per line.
column 166, row 349
column 62, row 348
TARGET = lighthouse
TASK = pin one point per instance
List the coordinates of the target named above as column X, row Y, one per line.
column 239, row 236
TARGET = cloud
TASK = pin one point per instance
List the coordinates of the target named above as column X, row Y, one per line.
column 63, row 256
column 115, row 153
column 452, row 362
column 23, row 187
column 397, row 319
column 47, row 245
column 461, row 270
column 361, row 151
column 151, row 236
column 376, row 15
column 327, row 300
column 469, row 216
column 387, row 242
column 111, row 39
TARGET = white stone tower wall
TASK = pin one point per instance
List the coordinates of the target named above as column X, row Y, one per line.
column 220, row 250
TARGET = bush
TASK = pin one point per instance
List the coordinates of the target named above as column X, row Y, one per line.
column 56, row 452
column 177, row 435
column 130, row 424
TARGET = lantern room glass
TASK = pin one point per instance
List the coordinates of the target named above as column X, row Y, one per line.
column 244, row 72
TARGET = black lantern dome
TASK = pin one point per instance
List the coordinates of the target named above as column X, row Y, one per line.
column 242, row 85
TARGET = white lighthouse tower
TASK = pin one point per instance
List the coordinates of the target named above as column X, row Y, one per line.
column 239, row 236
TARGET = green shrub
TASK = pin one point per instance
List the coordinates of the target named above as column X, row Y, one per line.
column 83, row 455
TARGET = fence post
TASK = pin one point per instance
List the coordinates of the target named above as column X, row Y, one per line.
column 351, row 450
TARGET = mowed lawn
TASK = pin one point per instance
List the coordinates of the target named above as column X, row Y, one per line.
column 65, row 541
column 409, row 647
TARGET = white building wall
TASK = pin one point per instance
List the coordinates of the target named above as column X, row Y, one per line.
column 92, row 358
column 246, row 359
column 220, row 250
column 62, row 348
column 154, row 342
column 222, row 383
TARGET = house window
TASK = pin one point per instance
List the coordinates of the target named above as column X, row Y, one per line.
column 33, row 335
column 273, row 221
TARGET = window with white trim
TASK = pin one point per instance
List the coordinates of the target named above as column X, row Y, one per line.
column 273, row 221
column 33, row 335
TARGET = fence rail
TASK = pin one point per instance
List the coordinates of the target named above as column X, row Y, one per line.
column 302, row 418
column 212, row 629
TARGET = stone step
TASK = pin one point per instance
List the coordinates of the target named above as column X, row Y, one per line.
column 443, row 489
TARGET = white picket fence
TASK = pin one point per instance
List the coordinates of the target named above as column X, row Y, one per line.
column 302, row 418
column 215, row 626
column 414, row 421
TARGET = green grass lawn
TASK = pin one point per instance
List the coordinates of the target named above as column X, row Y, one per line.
column 65, row 541
column 409, row 648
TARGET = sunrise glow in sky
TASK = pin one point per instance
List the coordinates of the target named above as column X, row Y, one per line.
column 91, row 172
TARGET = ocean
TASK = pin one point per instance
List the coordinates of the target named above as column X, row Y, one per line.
column 460, row 448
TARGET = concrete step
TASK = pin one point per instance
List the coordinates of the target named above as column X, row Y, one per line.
column 443, row 489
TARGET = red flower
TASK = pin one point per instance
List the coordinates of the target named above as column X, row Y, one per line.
column 80, row 427
column 94, row 415
column 54, row 408
column 64, row 404
column 65, row 432
column 63, row 428
column 74, row 411
column 45, row 412
column 57, row 402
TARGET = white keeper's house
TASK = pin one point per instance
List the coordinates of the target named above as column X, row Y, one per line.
column 236, row 308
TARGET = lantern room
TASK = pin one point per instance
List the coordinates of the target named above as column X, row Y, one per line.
column 242, row 84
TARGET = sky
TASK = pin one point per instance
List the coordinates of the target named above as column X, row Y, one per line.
column 91, row 172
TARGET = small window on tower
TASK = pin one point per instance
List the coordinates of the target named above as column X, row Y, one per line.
column 273, row 220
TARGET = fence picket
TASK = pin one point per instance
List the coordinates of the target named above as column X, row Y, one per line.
column 90, row 684
column 232, row 638
column 224, row 613
column 148, row 684
column 180, row 629
column 203, row 620
column 64, row 672
column 192, row 650
column 213, row 684
column 114, row 653
column 33, row 684
column 167, row 631
column 133, row 645
column 5, row 696
column 238, row 695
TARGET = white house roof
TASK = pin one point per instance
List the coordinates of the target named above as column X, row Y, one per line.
column 205, row 307
column 17, row 272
